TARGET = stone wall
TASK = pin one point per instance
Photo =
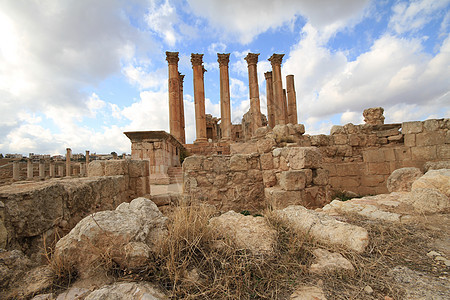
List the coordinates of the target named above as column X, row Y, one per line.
column 218, row 148
column 269, row 177
column 360, row 158
column 31, row 211
column 135, row 172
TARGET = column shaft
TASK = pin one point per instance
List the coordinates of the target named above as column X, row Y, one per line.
column 255, row 106
column 280, row 115
column 29, row 169
column 68, row 154
column 52, row 169
column 292, row 99
column 174, row 95
column 270, row 102
column 16, row 170
column 199, row 97
column 225, row 104
column 42, row 169
column 181, row 105
column 285, row 108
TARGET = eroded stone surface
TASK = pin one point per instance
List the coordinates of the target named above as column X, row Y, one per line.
column 120, row 234
column 127, row 291
column 327, row 261
column 401, row 179
column 324, row 228
column 247, row 232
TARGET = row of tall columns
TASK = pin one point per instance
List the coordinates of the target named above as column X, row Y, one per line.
column 281, row 103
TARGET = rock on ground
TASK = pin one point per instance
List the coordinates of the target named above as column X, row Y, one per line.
column 308, row 293
column 324, row 228
column 327, row 261
column 125, row 235
column 434, row 179
column 127, row 291
column 247, row 232
column 401, row 179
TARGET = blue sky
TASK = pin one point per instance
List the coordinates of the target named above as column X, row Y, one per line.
column 79, row 73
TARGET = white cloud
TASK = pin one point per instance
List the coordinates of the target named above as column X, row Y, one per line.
column 215, row 48
column 412, row 16
column 247, row 19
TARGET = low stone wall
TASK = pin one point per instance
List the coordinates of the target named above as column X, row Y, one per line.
column 135, row 172
column 31, row 211
column 276, row 178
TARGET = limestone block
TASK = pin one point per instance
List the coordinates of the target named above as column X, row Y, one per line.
column 220, row 164
column 294, row 180
column 299, row 128
column 431, row 125
column 434, row 179
column 372, row 180
column 281, row 131
column 374, row 116
column 327, row 261
column 238, row 162
column 402, row 153
column 277, row 152
column 344, row 150
column 324, row 228
column 402, row 179
column 96, row 168
column 309, row 176
column 337, row 129
column 304, row 158
column 443, row 151
column 266, row 161
column 426, row 200
column 316, row 196
column 265, row 145
column 320, row 176
column 261, row 131
column 308, row 293
column 378, row 168
column 349, row 169
column 243, row 148
column 269, row 178
column 283, row 164
column 412, row 127
column 424, row 153
column 320, row 140
column 116, row 167
column 142, row 186
column 193, row 163
column 127, row 290
column 278, row 198
column 429, row 138
column 373, row 155
column 246, row 232
column 353, row 139
column 110, row 232
column 340, row 139
column 436, row 165
column 388, row 132
column 138, row 168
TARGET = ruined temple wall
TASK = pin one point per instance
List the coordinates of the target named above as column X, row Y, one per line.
column 360, row 158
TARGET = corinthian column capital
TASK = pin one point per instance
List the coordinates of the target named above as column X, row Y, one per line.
column 268, row 75
column 196, row 59
column 252, row 58
column 223, row 59
column 172, row 57
column 276, row 59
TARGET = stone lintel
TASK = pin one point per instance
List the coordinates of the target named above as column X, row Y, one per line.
column 196, row 59
column 172, row 57
column 139, row 136
column 252, row 58
column 276, row 59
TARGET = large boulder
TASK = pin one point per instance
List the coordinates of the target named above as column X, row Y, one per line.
column 438, row 180
column 247, row 232
column 402, row 179
column 125, row 235
column 324, row 228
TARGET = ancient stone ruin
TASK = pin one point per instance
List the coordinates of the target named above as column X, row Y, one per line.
column 360, row 213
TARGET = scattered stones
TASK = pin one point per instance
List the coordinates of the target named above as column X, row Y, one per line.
column 308, row 293
column 368, row 289
column 401, row 179
column 327, row 261
column 247, row 232
column 324, row 228
column 127, row 291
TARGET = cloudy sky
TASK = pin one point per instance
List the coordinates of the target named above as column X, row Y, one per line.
column 78, row 73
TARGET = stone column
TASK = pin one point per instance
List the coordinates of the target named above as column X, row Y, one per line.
column 285, row 107
column 252, row 60
column 87, row 162
column 199, row 97
column 83, row 169
column 16, row 170
column 225, row 106
column 68, row 154
column 60, row 170
column 52, row 169
column 174, row 95
column 41, row 168
column 29, row 169
column 280, row 114
column 269, row 96
column 292, row 99
column 181, row 105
